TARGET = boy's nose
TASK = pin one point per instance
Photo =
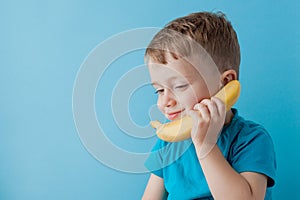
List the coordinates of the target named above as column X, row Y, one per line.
column 168, row 99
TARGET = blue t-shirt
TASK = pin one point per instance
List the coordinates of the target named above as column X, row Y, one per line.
column 246, row 146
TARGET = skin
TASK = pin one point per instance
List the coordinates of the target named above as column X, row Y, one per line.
column 182, row 91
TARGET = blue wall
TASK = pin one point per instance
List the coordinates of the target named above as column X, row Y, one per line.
column 44, row 43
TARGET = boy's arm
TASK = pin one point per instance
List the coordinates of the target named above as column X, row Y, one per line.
column 155, row 189
column 223, row 181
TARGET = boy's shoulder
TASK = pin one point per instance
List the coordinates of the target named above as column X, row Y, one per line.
column 246, row 139
column 244, row 128
column 240, row 122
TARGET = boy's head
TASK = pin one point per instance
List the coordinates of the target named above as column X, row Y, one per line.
column 211, row 30
column 180, row 68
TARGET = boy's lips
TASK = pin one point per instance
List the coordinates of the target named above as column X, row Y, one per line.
column 173, row 115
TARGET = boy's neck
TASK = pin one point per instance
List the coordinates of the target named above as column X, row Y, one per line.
column 229, row 116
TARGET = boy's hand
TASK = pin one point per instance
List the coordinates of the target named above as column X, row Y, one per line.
column 209, row 117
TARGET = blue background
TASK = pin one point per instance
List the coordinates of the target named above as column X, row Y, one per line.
column 43, row 44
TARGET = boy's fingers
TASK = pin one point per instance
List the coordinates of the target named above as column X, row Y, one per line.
column 198, row 106
column 194, row 114
column 212, row 107
column 204, row 112
column 220, row 105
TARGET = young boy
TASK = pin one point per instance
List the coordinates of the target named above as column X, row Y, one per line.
column 227, row 156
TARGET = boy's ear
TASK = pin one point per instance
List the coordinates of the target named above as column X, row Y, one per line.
column 228, row 76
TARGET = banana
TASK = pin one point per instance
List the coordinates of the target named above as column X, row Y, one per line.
column 180, row 129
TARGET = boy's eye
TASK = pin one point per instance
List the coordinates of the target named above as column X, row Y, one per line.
column 159, row 91
column 181, row 86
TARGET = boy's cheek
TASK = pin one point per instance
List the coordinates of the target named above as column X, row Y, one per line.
column 158, row 104
column 188, row 104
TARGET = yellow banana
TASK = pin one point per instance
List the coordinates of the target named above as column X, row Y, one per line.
column 181, row 129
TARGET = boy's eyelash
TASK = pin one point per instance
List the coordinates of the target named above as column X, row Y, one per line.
column 159, row 91
column 177, row 87
column 182, row 86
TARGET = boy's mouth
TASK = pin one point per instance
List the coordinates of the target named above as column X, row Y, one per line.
column 174, row 115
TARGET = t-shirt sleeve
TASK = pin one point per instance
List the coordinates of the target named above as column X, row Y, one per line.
column 154, row 162
column 253, row 151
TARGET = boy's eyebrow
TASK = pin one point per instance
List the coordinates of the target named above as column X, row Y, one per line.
column 188, row 77
column 154, row 83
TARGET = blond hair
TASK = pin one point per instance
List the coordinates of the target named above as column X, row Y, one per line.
column 211, row 30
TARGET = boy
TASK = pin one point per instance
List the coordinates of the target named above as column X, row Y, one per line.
column 227, row 157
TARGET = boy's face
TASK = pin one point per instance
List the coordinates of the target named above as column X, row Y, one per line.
column 179, row 87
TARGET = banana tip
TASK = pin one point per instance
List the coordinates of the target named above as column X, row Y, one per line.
column 155, row 124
